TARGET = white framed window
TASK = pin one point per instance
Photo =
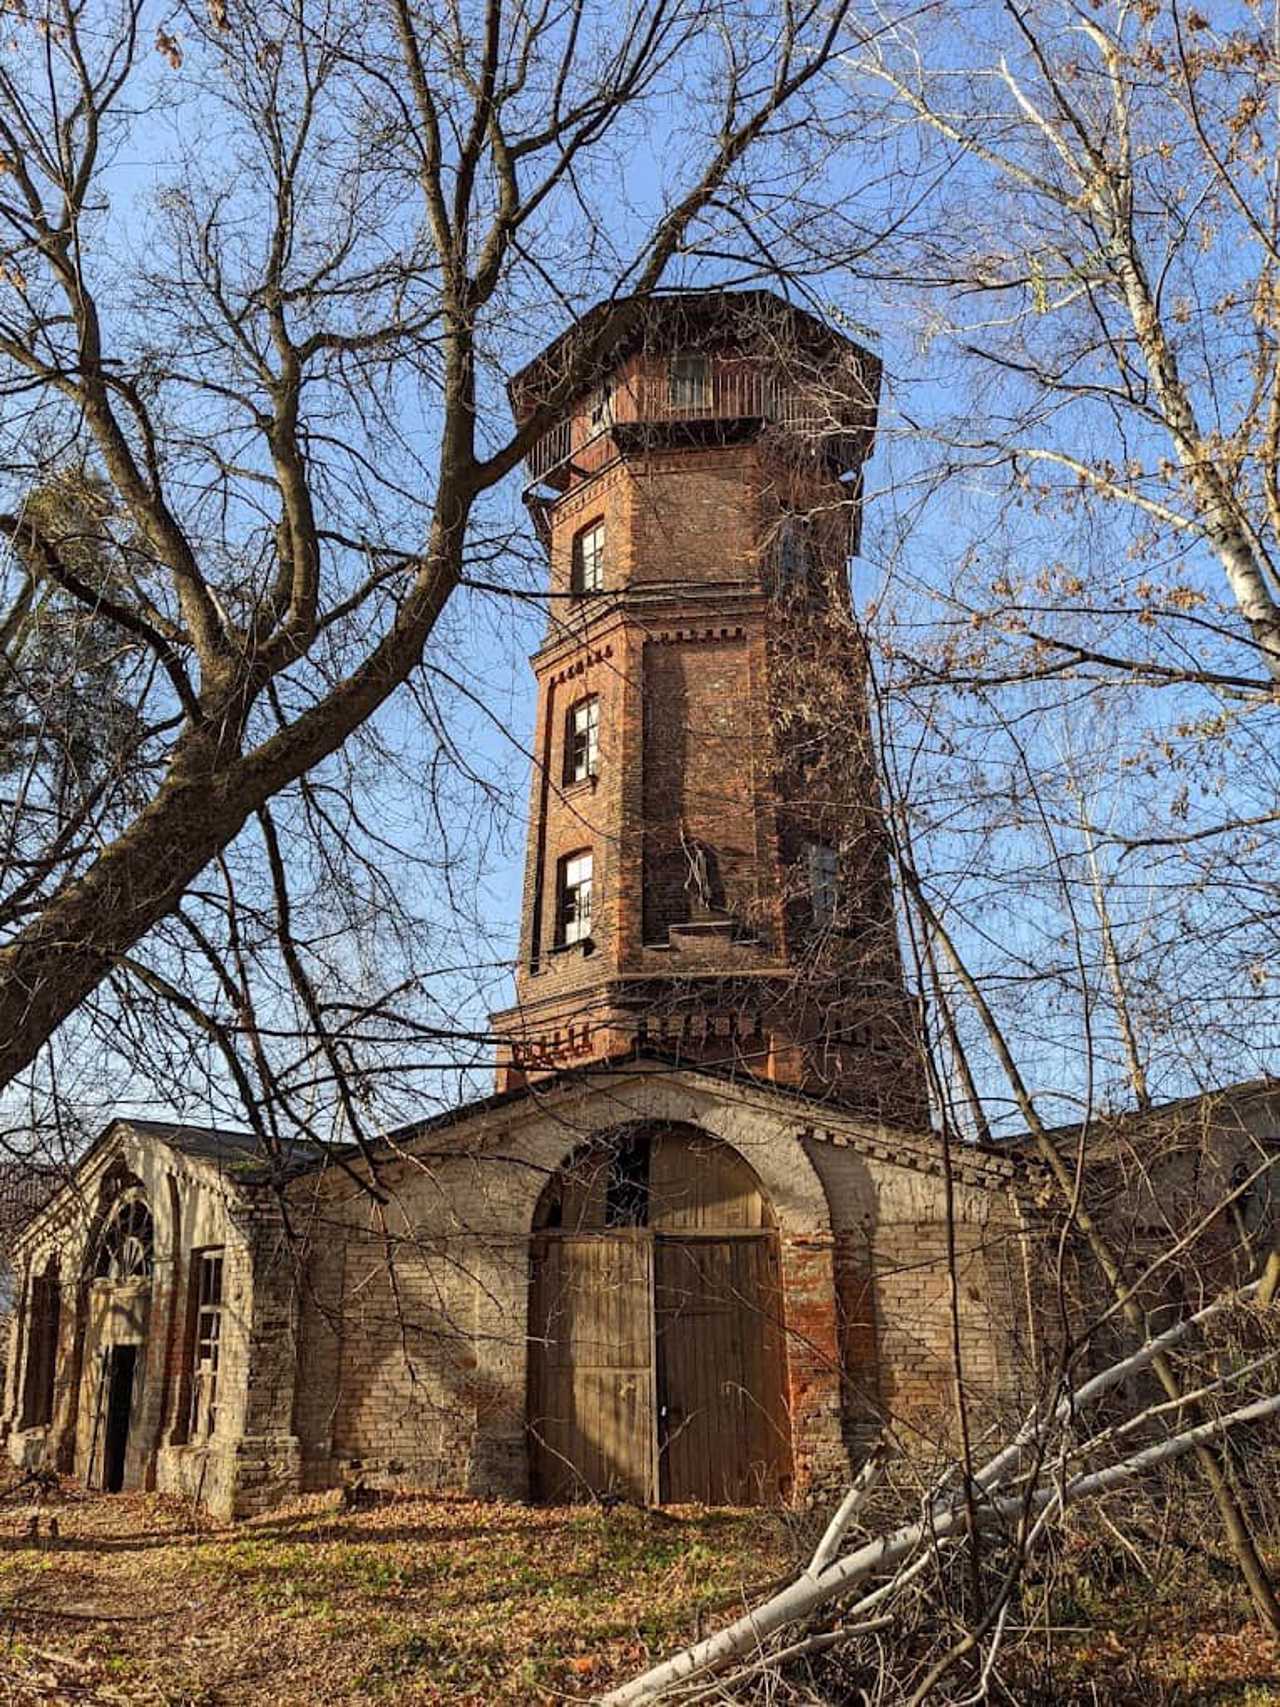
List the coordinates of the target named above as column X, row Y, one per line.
column 582, row 740
column 689, row 382
column 573, row 912
column 126, row 1249
column 587, row 571
column 822, row 867
column 206, row 1342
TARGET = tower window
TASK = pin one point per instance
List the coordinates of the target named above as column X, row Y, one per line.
column 689, row 382
column 602, row 405
column 582, row 740
column 823, row 870
column 573, row 914
column 792, row 550
column 587, row 572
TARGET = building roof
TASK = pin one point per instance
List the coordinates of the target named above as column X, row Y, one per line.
column 235, row 1150
column 239, row 1154
column 667, row 317
column 24, row 1189
column 819, row 1120
column 1110, row 1133
column 217, row 1143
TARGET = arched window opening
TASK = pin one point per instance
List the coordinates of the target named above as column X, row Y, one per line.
column 586, row 569
column 668, row 1178
column 822, row 873
column 793, row 554
column 582, row 740
column 44, row 1323
column 126, row 1250
column 573, row 898
column 626, row 1191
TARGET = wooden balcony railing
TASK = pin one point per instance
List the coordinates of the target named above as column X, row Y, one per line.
column 820, row 411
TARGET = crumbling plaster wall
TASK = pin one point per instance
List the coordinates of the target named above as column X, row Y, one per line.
column 413, row 1359
column 193, row 1207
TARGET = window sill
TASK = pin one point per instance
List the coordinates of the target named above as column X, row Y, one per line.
column 585, row 945
column 581, row 785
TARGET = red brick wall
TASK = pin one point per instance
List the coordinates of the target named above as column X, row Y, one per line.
column 701, row 760
column 733, row 730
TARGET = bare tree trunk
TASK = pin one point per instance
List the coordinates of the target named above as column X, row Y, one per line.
column 1208, row 1459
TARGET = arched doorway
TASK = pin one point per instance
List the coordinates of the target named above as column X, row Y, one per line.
column 657, row 1366
column 119, row 1302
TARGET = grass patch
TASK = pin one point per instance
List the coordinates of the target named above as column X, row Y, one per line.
column 417, row 1600
column 434, row 1601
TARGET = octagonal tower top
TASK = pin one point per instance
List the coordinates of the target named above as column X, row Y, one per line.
column 694, row 367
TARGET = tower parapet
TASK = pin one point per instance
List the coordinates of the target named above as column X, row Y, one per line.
column 707, row 872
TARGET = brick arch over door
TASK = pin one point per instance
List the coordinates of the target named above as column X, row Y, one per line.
column 658, row 1360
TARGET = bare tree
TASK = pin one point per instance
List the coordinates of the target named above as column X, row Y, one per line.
column 282, row 374
column 1109, row 256
column 1060, row 1455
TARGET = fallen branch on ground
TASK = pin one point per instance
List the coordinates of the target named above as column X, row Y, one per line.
column 1007, row 1488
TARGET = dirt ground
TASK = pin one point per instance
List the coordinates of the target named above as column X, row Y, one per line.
column 135, row 1602
column 411, row 1600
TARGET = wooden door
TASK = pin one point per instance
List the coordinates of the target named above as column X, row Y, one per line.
column 591, row 1400
column 723, row 1433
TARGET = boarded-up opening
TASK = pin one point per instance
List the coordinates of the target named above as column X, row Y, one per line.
column 657, row 1359
column 42, row 1348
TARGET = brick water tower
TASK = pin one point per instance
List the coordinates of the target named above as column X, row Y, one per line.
column 707, row 876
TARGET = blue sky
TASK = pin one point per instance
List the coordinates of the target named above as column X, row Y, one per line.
column 920, row 537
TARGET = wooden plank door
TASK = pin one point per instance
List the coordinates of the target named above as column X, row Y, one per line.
column 723, row 1432
column 591, row 1398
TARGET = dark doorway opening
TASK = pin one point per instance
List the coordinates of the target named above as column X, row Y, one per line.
column 122, row 1361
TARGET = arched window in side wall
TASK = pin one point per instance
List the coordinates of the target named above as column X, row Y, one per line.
column 126, row 1249
column 44, row 1324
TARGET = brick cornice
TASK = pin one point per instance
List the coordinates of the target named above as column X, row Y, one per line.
column 653, row 612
